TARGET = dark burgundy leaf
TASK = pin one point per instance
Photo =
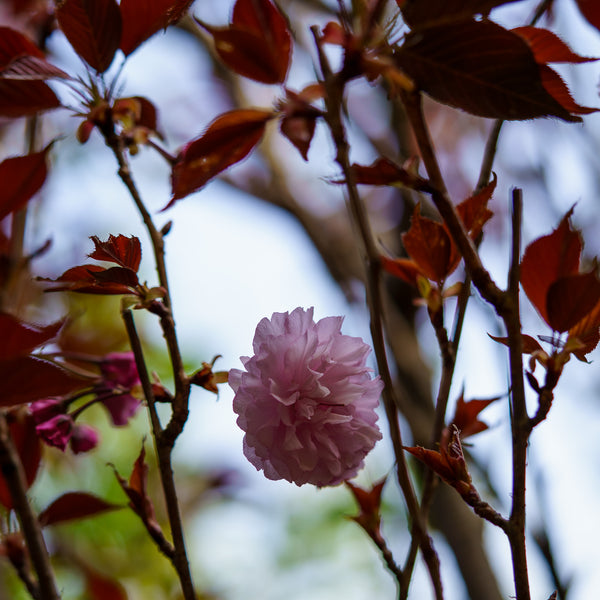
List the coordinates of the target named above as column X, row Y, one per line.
column 257, row 44
column 385, row 172
column 25, row 98
column 93, row 279
column 93, row 28
column 423, row 13
column 570, row 299
column 29, row 68
column 22, row 430
column 72, row 506
column 479, row 67
column 20, row 338
column 14, row 44
column 547, row 259
column 26, row 379
column 21, row 177
column 228, row 139
column 142, row 19
column 101, row 587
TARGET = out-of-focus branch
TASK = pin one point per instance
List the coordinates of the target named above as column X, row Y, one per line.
column 14, row 475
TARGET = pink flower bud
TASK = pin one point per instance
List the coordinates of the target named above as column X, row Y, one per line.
column 56, row 431
column 83, row 438
column 306, row 400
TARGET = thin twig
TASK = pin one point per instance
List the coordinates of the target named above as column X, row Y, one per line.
column 182, row 387
column 179, row 555
column 334, row 104
column 520, row 418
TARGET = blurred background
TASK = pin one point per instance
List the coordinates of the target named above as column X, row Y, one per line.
column 272, row 234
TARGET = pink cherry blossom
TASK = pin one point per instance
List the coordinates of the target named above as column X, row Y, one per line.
column 306, row 400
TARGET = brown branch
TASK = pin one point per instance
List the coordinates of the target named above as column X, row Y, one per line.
column 478, row 273
column 334, row 105
column 182, row 388
column 520, row 419
column 178, row 556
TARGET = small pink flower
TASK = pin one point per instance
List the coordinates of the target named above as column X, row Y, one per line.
column 43, row 410
column 56, row 431
column 306, row 400
column 119, row 377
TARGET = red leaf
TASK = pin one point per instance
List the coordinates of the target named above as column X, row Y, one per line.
column 20, row 338
column 530, row 345
column 546, row 260
column 570, row 299
column 385, row 172
column 558, row 89
column 22, row 430
column 369, row 502
column 142, row 19
column 30, row 68
column 25, row 98
column 449, row 463
column 466, row 416
column 429, row 246
column 228, row 139
column 587, row 333
column 299, row 130
column 14, row 44
column 418, row 13
column 474, row 211
column 100, row 587
column 93, row 279
column 298, row 121
column 590, row 9
column 257, row 44
column 404, row 268
column 139, row 501
column 22, row 177
column 479, row 67
column 547, row 47
column 72, row 506
column 26, row 378
column 474, row 214
column 125, row 251
column 93, row 28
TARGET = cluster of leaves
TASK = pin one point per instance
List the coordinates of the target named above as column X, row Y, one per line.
column 451, row 51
